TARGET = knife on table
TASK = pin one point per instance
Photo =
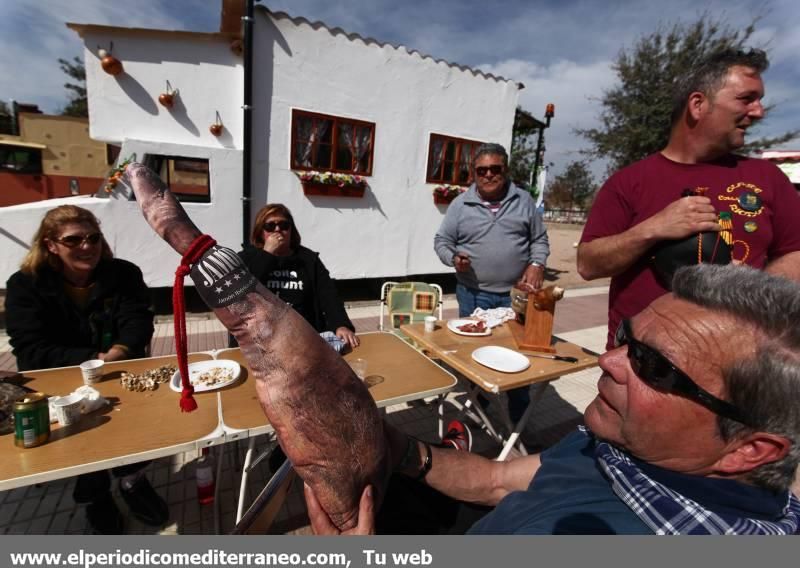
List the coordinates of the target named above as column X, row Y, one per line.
column 553, row 357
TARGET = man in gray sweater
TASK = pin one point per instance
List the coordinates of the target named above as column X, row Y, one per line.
column 494, row 237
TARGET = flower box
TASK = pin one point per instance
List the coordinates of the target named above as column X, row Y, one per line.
column 443, row 199
column 332, row 190
column 444, row 194
column 332, row 184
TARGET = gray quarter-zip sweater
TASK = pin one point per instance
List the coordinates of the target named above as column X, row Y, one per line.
column 500, row 245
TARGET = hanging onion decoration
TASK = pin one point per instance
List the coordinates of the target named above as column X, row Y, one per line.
column 216, row 128
column 108, row 62
column 167, row 99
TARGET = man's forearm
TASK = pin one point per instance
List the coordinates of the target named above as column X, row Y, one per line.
column 539, row 248
column 445, row 239
column 445, row 253
column 612, row 255
column 787, row 266
column 461, row 475
column 539, row 251
column 466, row 477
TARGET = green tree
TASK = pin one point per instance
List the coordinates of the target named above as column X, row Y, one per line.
column 573, row 188
column 78, row 104
column 635, row 115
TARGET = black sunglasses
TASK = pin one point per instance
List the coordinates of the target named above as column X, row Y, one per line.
column 494, row 168
column 270, row 226
column 72, row 241
column 659, row 373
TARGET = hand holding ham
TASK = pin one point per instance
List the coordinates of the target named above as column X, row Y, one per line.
column 325, row 419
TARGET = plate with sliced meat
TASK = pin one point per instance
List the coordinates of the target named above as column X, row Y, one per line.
column 469, row 327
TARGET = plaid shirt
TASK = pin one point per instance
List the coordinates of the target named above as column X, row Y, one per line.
column 668, row 512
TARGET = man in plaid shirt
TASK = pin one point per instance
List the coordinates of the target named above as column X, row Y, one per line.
column 695, row 429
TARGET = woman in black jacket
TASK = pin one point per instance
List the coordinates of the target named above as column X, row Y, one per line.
column 72, row 301
column 294, row 273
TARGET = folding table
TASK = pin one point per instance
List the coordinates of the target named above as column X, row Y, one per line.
column 456, row 351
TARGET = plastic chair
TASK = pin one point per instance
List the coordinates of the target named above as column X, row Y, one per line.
column 409, row 302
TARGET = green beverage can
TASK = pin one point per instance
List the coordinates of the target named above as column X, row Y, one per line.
column 31, row 420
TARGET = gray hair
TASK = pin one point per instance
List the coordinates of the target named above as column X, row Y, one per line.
column 708, row 75
column 490, row 148
column 767, row 385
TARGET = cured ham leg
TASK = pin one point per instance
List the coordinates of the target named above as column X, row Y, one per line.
column 325, row 419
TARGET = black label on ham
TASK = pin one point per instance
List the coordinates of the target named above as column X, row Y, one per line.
column 221, row 277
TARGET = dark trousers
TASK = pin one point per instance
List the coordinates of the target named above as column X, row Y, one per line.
column 411, row 507
column 468, row 300
column 90, row 486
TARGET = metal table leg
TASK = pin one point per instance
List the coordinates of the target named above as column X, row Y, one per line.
column 520, row 426
column 251, row 444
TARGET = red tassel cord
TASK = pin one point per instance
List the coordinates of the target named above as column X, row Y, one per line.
column 195, row 251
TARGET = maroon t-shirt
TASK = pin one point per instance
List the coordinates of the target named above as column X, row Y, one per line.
column 764, row 206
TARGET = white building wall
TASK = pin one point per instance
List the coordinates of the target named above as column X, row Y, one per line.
column 122, row 223
column 125, row 109
column 390, row 231
column 207, row 75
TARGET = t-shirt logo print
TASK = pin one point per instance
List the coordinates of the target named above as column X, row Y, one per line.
column 221, row 277
column 284, row 280
column 747, row 203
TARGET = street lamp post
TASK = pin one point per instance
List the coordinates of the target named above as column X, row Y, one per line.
column 550, row 111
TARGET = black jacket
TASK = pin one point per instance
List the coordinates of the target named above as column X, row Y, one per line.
column 46, row 329
column 327, row 311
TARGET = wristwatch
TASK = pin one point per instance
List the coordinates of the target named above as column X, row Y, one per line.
column 534, row 263
column 412, row 449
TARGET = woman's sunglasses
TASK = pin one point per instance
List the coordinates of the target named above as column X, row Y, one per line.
column 270, row 226
column 496, row 169
column 659, row 373
column 72, row 241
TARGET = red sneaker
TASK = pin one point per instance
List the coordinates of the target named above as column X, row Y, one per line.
column 458, row 436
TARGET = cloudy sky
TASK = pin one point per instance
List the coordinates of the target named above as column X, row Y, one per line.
column 560, row 49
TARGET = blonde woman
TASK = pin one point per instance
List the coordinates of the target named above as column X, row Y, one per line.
column 72, row 301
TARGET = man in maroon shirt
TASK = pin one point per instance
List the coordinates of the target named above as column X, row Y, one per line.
column 642, row 204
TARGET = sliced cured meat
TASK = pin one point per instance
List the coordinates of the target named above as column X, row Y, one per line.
column 474, row 327
column 325, row 419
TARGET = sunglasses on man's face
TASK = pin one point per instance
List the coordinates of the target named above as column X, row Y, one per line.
column 494, row 168
column 270, row 226
column 72, row 241
column 658, row 372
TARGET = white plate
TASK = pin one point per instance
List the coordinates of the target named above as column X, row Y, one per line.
column 501, row 359
column 452, row 325
column 197, row 369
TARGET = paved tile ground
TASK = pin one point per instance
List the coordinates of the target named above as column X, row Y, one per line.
column 49, row 509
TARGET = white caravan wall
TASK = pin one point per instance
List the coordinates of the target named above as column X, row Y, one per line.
column 127, row 233
column 390, row 231
column 207, row 75
column 125, row 108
